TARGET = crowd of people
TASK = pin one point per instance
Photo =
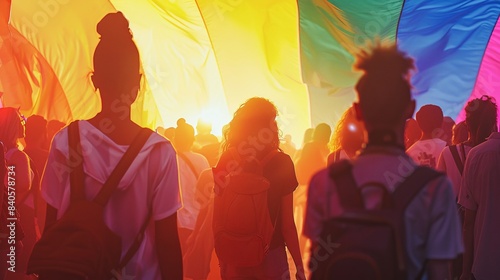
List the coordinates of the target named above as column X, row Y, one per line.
column 253, row 197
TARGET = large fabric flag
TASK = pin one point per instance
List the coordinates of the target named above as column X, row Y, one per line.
column 203, row 58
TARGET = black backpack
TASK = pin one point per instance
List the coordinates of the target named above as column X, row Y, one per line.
column 366, row 244
column 80, row 245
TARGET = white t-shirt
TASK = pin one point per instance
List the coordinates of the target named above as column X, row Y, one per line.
column 150, row 184
column 479, row 192
column 426, row 152
column 432, row 226
column 187, row 216
column 447, row 165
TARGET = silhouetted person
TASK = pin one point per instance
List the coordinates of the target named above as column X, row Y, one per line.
column 11, row 130
column 190, row 166
column 53, row 126
column 287, row 146
column 479, row 115
column 314, row 154
column 430, row 220
column 348, row 138
column 150, row 184
column 447, row 130
column 426, row 151
column 206, row 143
column 308, row 135
column 36, row 137
column 452, row 160
column 241, row 147
column 479, row 195
column 204, row 135
column 412, row 132
column 169, row 133
column 160, row 130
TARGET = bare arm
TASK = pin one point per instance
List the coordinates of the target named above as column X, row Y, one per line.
column 468, row 232
column 168, row 248
column 439, row 269
column 289, row 232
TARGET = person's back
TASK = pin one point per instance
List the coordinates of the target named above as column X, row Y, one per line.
column 270, row 170
column 479, row 194
column 450, row 161
column 190, row 166
column 133, row 199
column 147, row 194
column 432, row 231
column 426, row 151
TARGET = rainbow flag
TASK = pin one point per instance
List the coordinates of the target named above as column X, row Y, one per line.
column 203, row 58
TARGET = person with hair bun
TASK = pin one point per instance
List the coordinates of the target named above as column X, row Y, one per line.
column 432, row 230
column 150, row 186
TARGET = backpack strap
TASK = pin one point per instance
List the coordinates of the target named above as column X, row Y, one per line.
column 116, row 175
column 76, row 175
column 190, row 164
column 349, row 193
column 412, row 185
column 456, row 157
column 136, row 244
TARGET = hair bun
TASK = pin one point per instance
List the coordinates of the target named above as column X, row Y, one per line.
column 114, row 26
column 181, row 122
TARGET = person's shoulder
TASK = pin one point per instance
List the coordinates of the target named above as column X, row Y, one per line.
column 199, row 158
column 440, row 142
column 157, row 139
column 446, row 150
column 158, row 145
column 282, row 156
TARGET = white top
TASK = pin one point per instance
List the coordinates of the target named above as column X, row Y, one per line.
column 432, row 226
column 480, row 191
column 151, row 182
column 426, row 152
column 447, row 165
column 187, row 216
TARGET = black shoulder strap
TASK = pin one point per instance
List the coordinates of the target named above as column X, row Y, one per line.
column 75, row 162
column 136, row 244
column 349, row 193
column 456, row 157
column 412, row 185
column 116, row 175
